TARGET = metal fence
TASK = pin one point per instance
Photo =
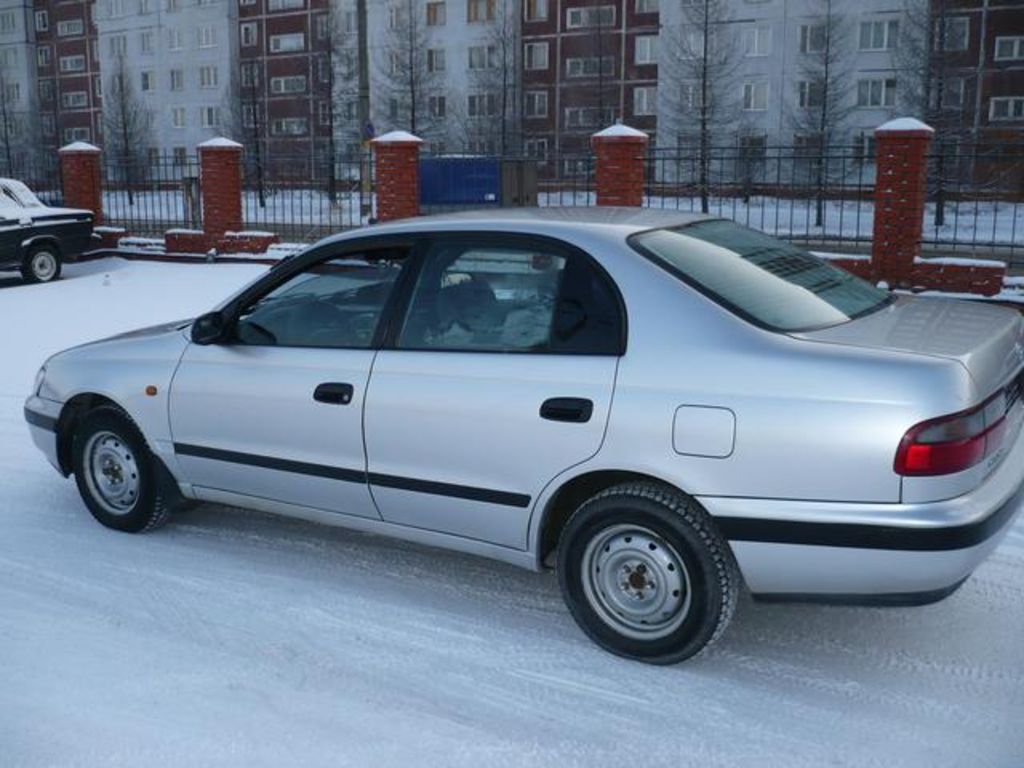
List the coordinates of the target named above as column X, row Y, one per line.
column 40, row 173
column 149, row 197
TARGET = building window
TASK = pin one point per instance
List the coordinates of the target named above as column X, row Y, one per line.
column 208, row 76
column 291, row 84
column 646, row 6
column 535, row 147
column 207, row 37
column 479, row 10
column 1010, row 48
column 78, row 133
column 437, row 105
column 536, row 104
column 46, row 90
column 953, row 94
column 877, row 92
column 145, row 81
column 43, row 56
column 535, row 55
column 42, row 21
column 8, row 22
column 209, row 117
column 435, row 60
column 958, row 32
column 483, row 57
column 118, row 45
column 437, row 14
column 645, row 100
column 323, row 113
column 810, row 94
column 145, row 6
column 590, row 66
column 290, row 126
column 285, row 5
column 588, row 117
column 146, row 41
column 1005, row 108
column 594, row 16
column 248, row 33
column 879, row 35
column 755, row 97
column 177, row 79
column 250, row 75
column 70, row 27
column 535, row 10
column 178, row 117
column 757, row 41
column 481, row 105
column 174, row 40
column 74, row 99
column 72, row 63
column 118, row 8
column 812, row 38
column 97, row 86
column 296, row 41
column 646, row 50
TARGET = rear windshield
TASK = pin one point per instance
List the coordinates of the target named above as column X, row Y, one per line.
column 771, row 283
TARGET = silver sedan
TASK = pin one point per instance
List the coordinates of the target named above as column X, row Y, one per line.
column 665, row 408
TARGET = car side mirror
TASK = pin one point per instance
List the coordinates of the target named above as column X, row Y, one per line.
column 209, row 328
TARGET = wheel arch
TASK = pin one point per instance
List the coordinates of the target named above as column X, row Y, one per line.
column 572, row 493
column 28, row 244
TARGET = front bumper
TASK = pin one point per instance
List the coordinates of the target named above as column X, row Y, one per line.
column 42, row 415
column 869, row 553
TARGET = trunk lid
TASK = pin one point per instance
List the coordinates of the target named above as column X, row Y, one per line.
column 987, row 340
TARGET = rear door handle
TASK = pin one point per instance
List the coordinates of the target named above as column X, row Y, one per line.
column 333, row 392
column 577, row 410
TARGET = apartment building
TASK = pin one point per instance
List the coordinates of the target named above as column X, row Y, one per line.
column 174, row 60
column 584, row 65
column 18, row 109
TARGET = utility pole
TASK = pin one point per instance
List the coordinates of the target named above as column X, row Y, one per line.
column 363, row 108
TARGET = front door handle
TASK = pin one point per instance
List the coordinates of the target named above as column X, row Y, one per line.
column 577, row 410
column 333, row 392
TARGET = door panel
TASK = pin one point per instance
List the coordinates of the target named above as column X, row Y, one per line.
column 470, row 425
column 245, row 420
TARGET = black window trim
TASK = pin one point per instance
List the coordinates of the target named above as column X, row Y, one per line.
column 407, row 282
column 721, row 301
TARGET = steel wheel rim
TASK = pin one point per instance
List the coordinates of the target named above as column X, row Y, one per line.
column 44, row 266
column 636, row 582
column 112, row 473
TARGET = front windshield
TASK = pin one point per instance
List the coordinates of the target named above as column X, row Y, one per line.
column 770, row 282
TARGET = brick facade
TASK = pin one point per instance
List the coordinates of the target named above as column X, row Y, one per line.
column 619, row 171
column 220, row 168
column 80, row 177
column 398, row 175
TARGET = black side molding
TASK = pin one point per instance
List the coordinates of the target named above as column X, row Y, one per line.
column 40, row 420
column 884, row 600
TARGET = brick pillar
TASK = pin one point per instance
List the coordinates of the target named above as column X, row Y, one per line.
column 619, row 173
column 80, row 177
column 397, row 156
column 220, row 180
column 901, row 186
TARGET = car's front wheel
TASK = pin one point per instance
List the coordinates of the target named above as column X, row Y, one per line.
column 41, row 264
column 115, row 472
column 645, row 573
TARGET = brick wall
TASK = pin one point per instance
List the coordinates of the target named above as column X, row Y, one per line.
column 220, row 168
column 619, row 172
column 397, row 156
column 80, row 177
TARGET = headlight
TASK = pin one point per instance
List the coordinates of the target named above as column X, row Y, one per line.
column 40, row 378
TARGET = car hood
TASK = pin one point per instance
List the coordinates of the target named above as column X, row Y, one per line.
column 987, row 340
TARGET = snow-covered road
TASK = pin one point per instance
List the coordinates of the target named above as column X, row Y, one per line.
column 237, row 639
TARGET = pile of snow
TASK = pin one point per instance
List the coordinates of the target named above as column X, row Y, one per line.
column 238, row 639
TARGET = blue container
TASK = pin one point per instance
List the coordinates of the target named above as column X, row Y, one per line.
column 460, row 181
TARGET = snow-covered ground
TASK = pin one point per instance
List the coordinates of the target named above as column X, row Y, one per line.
column 237, row 639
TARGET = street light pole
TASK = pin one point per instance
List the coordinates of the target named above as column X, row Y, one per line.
column 363, row 108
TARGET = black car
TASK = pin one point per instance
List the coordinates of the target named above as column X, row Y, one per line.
column 36, row 238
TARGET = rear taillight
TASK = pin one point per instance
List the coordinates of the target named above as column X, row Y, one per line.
column 953, row 443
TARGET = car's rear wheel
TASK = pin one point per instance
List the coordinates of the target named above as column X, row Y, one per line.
column 115, row 473
column 645, row 573
column 41, row 264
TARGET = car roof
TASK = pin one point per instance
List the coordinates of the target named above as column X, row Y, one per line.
column 620, row 221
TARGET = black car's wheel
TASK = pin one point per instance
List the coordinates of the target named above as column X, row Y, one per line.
column 645, row 573
column 41, row 264
column 115, row 473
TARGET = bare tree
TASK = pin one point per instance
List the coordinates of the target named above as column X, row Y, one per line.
column 247, row 110
column 498, row 78
column 7, row 120
column 339, row 89
column 823, row 95
column 127, row 125
column 405, row 66
column 701, row 59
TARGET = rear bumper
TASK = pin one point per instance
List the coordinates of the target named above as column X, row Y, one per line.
column 869, row 553
column 41, row 415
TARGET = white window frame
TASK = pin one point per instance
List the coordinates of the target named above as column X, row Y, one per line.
column 532, row 54
column 1014, row 109
column 757, row 41
column 248, row 34
column 70, row 28
column 288, row 85
column 65, row 63
column 207, row 82
column 587, row 17
column 890, row 34
column 535, row 10
column 1016, row 43
column 751, row 90
column 645, row 50
column 538, row 100
column 645, row 100
column 278, row 42
column 42, row 21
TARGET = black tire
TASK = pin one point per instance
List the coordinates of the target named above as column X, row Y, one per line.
column 108, row 432
column 642, row 533
column 41, row 264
